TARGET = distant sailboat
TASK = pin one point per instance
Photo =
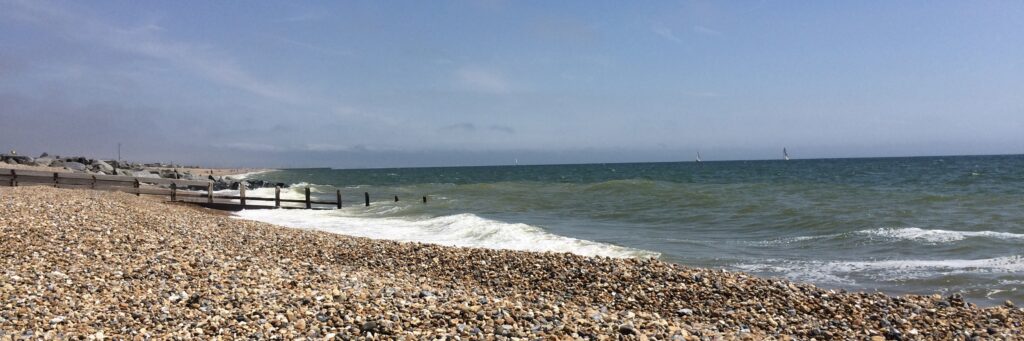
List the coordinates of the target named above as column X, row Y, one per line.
column 785, row 155
column 517, row 161
column 698, row 158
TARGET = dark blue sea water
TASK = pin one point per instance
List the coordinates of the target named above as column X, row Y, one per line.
column 918, row 225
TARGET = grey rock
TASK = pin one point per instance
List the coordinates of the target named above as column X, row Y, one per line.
column 21, row 159
column 504, row 330
column 43, row 161
column 101, row 166
column 169, row 174
column 145, row 174
column 75, row 166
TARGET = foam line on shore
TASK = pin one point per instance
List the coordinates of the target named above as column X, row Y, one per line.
column 465, row 230
column 839, row 272
column 937, row 235
column 915, row 234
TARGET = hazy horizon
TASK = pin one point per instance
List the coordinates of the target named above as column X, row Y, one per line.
column 465, row 83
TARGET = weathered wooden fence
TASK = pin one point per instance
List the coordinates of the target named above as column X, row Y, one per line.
column 191, row 191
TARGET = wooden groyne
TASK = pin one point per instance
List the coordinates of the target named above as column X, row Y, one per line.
column 177, row 190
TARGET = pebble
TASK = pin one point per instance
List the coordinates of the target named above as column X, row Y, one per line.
column 82, row 264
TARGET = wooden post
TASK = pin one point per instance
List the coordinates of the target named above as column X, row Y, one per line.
column 308, row 204
column 138, row 187
column 424, row 199
column 174, row 191
column 396, row 198
column 14, row 178
column 55, row 181
column 241, row 193
column 209, row 192
column 277, row 196
column 93, row 184
column 339, row 198
column 366, row 195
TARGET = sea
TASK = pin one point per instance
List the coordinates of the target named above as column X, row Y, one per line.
column 913, row 225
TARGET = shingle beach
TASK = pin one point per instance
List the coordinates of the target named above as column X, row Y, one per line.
column 79, row 263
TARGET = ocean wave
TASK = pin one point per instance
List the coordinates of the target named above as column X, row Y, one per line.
column 790, row 240
column 293, row 191
column 244, row 176
column 845, row 272
column 465, row 230
column 936, row 236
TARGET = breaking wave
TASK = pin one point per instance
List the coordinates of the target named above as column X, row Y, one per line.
column 464, row 230
column 845, row 272
column 936, row 236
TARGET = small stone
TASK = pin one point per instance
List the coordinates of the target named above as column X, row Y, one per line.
column 626, row 329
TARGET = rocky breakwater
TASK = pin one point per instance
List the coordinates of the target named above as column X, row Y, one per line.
column 78, row 164
column 81, row 164
column 100, row 264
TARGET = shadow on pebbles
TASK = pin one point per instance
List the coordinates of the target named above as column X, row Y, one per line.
column 79, row 263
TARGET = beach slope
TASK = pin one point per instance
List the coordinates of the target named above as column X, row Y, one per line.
column 78, row 262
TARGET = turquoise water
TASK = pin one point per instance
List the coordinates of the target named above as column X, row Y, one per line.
column 899, row 225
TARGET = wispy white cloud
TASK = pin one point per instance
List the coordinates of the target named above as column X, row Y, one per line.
column 706, row 30
column 666, row 33
column 147, row 41
column 314, row 48
column 482, row 80
column 250, row 147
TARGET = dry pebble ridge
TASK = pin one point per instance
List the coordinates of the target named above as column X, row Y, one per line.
column 95, row 265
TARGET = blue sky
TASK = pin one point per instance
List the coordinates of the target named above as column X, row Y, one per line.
column 378, row 84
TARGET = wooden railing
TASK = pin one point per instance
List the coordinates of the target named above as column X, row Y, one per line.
column 191, row 191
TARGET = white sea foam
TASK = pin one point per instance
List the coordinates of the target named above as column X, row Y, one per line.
column 789, row 240
column 845, row 272
column 244, row 176
column 295, row 191
column 936, row 236
column 466, row 230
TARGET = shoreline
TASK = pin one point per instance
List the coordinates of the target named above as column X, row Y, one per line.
column 79, row 262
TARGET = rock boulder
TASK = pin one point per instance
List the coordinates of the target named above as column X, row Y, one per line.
column 43, row 161
column 75, row 166
column 100, row 166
